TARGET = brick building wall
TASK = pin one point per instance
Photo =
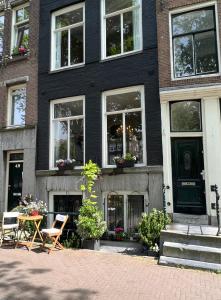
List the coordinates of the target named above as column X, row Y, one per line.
column 13, row 70
column 163, row 9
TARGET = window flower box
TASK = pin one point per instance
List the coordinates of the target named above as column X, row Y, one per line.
column 67, row 164
column 126, row 161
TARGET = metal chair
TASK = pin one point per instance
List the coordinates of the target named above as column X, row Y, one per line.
column 54, row 233
column 9, row 226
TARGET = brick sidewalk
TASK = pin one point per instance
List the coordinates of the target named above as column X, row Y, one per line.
column 82, row 274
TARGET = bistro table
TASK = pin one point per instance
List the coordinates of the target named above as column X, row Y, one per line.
column 36, row 220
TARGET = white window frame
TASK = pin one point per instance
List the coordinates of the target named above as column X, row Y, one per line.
column 125, row 194
column 2, row 30
column 103, row 30
column 14, row 24
column 139, row 88
column 189, row 9
column 10, row 90
column 51, row 135
column 54, row 30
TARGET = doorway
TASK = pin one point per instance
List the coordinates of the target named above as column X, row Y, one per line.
column 14, row 180
column 188, row 173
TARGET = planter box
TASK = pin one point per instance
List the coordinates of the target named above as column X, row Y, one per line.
column 125, row 164
column 91, row 244
column 66, row 167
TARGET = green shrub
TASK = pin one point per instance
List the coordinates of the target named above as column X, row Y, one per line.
column 72, row 242
column 150, row 227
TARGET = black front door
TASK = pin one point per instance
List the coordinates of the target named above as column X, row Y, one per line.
column 188, row 183
column 14, row 184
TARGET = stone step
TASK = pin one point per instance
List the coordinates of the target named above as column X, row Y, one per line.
column 190, row 219
column 171, row 261
column 190, row 239
column 192, row 252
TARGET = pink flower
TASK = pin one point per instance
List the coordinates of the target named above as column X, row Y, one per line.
column 119, row 229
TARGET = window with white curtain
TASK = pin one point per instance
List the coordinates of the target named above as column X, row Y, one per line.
column 122, row 27
column 68, row 26
column 67, row 130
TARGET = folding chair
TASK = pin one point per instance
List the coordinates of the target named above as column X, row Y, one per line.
column 54, row 233
column 9, row 225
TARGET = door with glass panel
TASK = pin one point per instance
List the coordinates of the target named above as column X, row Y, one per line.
column 124, row 211
column 187, row 157
column 15, row 179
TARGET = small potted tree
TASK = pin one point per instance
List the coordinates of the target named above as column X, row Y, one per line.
column 90, row 224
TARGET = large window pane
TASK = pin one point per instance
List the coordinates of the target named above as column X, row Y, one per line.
column 77, row 141
column 114, row 137
column 112, row 6
column 18, row 105
column 186, row 116
column 115, row 211
column 68, row 109
column 61, row 49
column 135, row 210
column 60, row 140
column 206, row 53
column 134, row 142
column 69, row 18
column 193, row 21
column 1, row 22
column 183, row 56
column 113, row 35
column 23, row 36
column 77, row 45
column 123, row 101
column 128, row 31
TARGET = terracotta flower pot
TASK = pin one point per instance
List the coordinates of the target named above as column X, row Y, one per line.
column 34, row 213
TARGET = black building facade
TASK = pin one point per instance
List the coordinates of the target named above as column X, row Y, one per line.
column 119, row 58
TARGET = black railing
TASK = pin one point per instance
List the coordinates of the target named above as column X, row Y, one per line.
column 165, row 187
column 214, row 188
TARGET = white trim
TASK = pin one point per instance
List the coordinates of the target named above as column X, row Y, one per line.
column 125, row 195
column 7, row 173
column 9, row 106
column 139, row 88
column 54, row 30
column 51, row 201
column 51, row 133
column 183, row 10
column 120, row 13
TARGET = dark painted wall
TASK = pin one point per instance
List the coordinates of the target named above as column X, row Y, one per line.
column 96, row 77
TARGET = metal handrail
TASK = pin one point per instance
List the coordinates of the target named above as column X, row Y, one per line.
column 165, row 187
column 214, row 188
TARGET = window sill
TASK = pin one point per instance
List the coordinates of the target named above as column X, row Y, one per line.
column 67, row 68
column 123, row 55
column 17, row 128
column 197, row 77
column 16, row 58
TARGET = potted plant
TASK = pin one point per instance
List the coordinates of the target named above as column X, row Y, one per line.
column 90, row 224
column 65, row 164
column 149, row 230
column 126, row 161
column 120, row 235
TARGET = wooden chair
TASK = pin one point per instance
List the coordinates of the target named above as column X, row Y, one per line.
column 54, row 233
column 9, row 226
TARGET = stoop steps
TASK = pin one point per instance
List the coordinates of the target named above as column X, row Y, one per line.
column 189, row 248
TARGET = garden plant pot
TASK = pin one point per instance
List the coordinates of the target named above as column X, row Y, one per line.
column 91, row 244
column 125, row 164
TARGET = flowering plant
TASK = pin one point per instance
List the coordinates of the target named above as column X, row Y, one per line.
column 127, row 157
column 120, row 234
column 31, row 206
column 65, row 164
